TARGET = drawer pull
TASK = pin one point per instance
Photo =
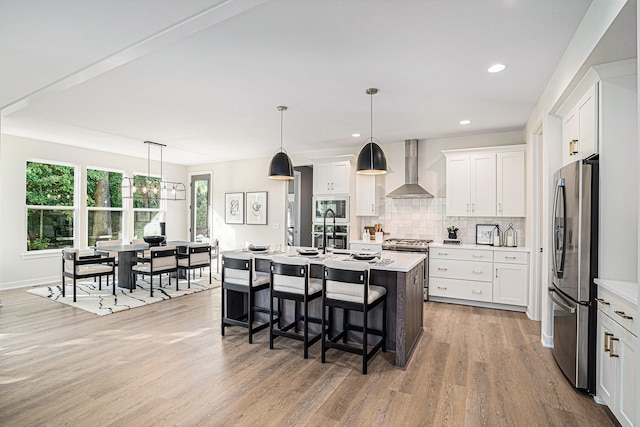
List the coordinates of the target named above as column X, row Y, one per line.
column 607, row 335
column 476, row 292
column 443, row 268
column 477, row 272
column 624, row 316
column 443, row 253
column 603, row 302
column 509, row 257
column 442, row 287
column 611, row 340
column 478, row 256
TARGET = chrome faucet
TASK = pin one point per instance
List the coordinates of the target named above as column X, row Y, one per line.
column 324, row 229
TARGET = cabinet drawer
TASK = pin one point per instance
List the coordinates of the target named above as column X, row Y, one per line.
column 461, row 254
column 461, row 289
column 618, row 309
column 510, row 257
column 465, row 270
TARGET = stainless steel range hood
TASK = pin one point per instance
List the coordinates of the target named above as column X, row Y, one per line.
column 410, row 189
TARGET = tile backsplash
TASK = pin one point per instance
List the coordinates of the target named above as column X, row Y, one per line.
column 426, row 219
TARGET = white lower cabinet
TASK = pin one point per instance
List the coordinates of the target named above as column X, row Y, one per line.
column 616, row 355
column 510, row 283
column 481, row 275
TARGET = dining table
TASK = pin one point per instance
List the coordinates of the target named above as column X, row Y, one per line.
column 128, row 257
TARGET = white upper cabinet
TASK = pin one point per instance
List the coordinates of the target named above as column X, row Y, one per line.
column 366, row 195
column 483, row 185
column 580, row 128
column 510, row 184
column 331, row 177
column 486, row 182
column 458, row 178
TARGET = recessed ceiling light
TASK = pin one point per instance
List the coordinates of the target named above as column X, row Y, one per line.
column 496, row 68
column 465, row 122
column 355, row 135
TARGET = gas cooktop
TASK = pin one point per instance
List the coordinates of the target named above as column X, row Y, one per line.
column 407, row 244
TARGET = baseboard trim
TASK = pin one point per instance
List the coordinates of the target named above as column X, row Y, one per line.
column 29, row 283
column 478, row 304
column 547, row 340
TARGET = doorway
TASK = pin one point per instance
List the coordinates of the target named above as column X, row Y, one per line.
column 200, row 226
column 299, row 207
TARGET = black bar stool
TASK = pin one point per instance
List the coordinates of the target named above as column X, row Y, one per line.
column 290, row 281
column 239, row 276
column 345, row 285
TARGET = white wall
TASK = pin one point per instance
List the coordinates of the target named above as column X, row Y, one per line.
column 243, row 176
column 618, row 246
column 17, row 268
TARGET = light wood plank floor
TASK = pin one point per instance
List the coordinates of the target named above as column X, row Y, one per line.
column 166, row 364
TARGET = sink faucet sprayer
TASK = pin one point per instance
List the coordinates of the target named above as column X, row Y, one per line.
column 324, row 229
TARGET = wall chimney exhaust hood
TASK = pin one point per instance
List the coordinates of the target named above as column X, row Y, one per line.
column 410, row 189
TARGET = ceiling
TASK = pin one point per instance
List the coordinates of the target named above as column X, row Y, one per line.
column 205, row 77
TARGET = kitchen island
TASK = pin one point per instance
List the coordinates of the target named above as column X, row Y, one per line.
column 401, row 274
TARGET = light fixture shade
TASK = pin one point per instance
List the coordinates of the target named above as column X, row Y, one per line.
column 281, row 166
column 371, row 160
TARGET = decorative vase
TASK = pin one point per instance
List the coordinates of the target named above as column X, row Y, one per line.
column 453, row 235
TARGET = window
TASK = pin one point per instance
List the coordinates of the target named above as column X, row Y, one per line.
column 146, row 208
column 50, row 206
column 104, row 206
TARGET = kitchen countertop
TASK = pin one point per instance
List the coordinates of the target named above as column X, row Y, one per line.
column 402, row 262
column 626, row 290
column 481, row 247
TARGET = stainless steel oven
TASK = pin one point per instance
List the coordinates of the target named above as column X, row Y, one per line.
column 418, row 246
column 339, row 205
column 340, row 241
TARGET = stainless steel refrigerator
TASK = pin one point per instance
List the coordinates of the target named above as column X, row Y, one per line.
column 575, row 265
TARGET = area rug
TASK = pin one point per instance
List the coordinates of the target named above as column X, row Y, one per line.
column 102, row 302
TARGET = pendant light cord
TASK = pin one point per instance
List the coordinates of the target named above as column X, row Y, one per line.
column 281, row 115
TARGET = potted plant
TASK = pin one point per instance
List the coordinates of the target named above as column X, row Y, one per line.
column 453, row 232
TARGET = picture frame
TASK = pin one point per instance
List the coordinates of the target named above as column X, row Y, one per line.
column 234, row 208
column 484, row 234
column 256, row 207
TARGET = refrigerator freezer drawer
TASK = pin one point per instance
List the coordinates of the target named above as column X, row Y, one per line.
column 570, row 339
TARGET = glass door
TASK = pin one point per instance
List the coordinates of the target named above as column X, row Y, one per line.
column 200, row 202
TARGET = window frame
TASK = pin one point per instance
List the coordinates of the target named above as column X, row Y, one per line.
column 122, row 209
column 77, row 178
column 161, row 209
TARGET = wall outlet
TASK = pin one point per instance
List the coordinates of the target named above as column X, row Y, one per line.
column 276, row 226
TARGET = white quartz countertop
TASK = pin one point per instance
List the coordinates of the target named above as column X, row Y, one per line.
column 481, row 247
column 626, row 290
column 390, row 261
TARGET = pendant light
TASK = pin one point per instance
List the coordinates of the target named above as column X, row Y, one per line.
column 281, row 166
column 371, row 160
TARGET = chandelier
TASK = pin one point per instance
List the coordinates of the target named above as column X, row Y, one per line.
column 152, row 188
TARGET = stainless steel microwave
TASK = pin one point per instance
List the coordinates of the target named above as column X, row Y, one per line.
column 338, row 204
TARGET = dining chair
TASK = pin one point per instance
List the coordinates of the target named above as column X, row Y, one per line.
column 345, row 285
column 162, row 259
column 197, row 256
column 290, row 281
column 239, row 278
column 114, row 255
column 77, row 267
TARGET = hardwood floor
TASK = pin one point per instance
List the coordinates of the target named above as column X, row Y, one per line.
column 166, row 364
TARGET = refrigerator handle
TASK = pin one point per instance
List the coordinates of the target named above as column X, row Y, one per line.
column 561, row 303
column 560, row 187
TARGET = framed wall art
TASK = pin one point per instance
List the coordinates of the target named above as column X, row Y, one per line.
column 257, row 208
column 234, row 208
column 484, row 234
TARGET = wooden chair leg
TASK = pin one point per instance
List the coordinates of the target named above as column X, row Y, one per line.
column 306, row 328
column 250, row 315
column 384, row 324
column 271, row 321
column 364, row 340
column 222, row 303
